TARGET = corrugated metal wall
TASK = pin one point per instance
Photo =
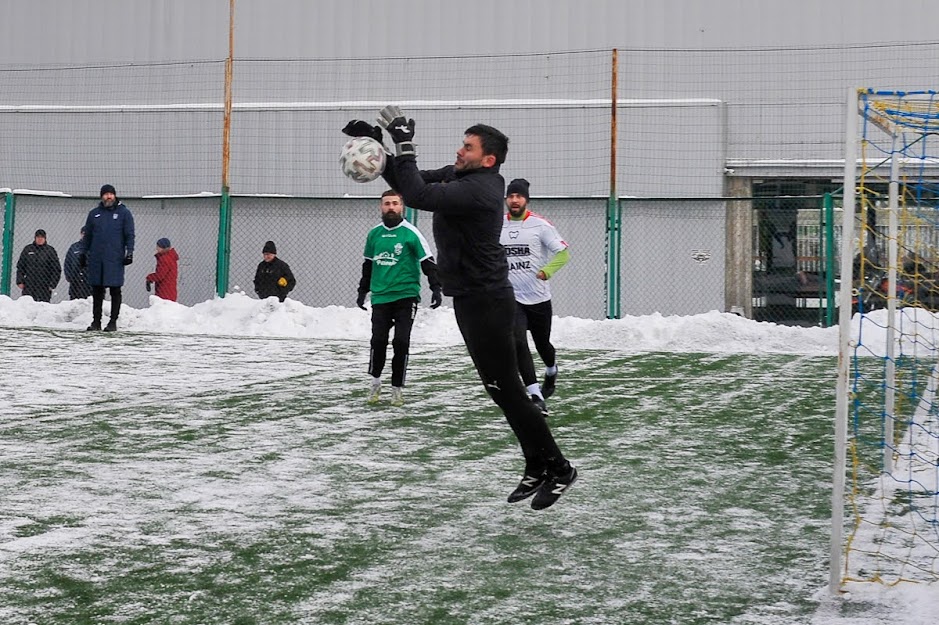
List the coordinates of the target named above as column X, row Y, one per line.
column 763, row 104
column 92, row 31
column 707, row 90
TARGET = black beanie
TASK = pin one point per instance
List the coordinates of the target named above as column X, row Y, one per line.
column 40, row 233
column 107, row 189
column 520, row 186
column 269, row 248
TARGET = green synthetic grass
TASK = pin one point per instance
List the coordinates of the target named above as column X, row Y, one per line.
column 206, row 480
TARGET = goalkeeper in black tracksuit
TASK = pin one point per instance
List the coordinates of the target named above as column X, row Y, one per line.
column 466, row 199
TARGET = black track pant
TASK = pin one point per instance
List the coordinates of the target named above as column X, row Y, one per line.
column 97, row 302
column 534, row 318
column 399, row 314
column 487, row 324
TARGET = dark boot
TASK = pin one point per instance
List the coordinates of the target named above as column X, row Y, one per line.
column 95, row 326
column 112, row 326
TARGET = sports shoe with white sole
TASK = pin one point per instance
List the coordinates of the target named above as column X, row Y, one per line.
column 374, row 391
column 547, row 387
column 527, row 487
column 552, row 489
column 540, row 403
column 397, row 396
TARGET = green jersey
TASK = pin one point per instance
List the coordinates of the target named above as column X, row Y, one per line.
column 396, row 255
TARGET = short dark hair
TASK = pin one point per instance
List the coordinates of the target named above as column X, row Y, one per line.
column 492, row 141
column 392, row 192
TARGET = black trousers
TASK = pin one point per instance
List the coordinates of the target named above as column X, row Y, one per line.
column 487, row 322
column 399, row 314
column 39, row 293
column 97, row 302
column 534, row 318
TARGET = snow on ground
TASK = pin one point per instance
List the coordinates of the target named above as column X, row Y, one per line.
column 240, row 315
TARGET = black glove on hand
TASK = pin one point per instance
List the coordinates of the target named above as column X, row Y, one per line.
column 436, row 298
column 82, row 260
column 400, row 130
column 358, row 128
column 360, row 300
column 148, row 286
column 128, row 259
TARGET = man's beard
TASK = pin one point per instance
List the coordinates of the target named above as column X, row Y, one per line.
column 391, row 219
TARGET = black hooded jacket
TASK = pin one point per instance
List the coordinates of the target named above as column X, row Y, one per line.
column 267, row 277
column 468, row 212
column 39, row 270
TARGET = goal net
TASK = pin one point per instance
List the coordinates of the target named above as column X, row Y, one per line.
column 885, row 501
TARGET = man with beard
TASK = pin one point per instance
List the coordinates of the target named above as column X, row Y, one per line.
column 109, row 245
column 535, row 251
column 466, row 199
column 395, row 253
column 38, row 270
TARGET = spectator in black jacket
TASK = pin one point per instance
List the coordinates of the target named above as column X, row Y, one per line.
column 38, row 270
column 78, row 287
column 466, row 200
column 273, row 277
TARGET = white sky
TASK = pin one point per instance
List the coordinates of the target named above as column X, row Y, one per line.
column 240, row 315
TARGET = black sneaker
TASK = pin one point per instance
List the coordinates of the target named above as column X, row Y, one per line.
column 547, row 387
column 527, row 487
column 554, row 486
column 111, row 327
column 94, row 327
column 540, row 403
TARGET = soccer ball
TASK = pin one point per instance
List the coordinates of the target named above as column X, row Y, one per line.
column 362, row 159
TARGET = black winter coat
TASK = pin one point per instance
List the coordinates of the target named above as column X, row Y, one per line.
column 39, row 271
column 78, row 287
column 267, row 276
column 109, row 238
column 468, row 213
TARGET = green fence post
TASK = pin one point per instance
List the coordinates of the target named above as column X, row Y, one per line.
column 829, row 206
column 411, row 215
column 9, row 217
column 223, row 258
column 614, row 218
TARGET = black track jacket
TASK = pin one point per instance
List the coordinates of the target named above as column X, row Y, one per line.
column 468, row 212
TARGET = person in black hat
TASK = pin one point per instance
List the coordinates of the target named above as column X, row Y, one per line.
column 109, row 245
column 78, row 287
column 273, row 277
column 535, row 251
column 38, row 270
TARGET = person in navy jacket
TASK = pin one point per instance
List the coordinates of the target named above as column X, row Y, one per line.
column 78, row 287
column 109, row 247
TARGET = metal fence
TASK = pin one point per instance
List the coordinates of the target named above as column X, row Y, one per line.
column 672, row 255
column 671, row 251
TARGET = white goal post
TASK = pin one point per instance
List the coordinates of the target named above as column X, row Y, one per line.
column 886, row 452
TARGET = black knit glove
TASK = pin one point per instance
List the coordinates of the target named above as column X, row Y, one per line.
column 358, row 128
column 360, row 300
column 128, row 259
column 148, row 286
column 436, row 298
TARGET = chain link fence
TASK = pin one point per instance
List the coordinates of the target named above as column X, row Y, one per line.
column 672, row 253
